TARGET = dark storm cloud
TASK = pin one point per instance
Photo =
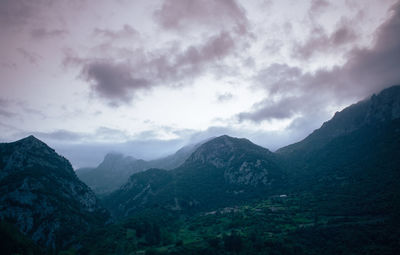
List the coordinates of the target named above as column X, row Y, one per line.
column 320, row 42
column 193, row 59
column 15, row 12
column 178, row 14
column 43, row 33
column 282, row 109
column 126, row 31
column 366, row 71
column 113, row 81
column 118, row 82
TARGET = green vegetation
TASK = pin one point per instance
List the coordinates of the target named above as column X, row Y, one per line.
column 277, row 225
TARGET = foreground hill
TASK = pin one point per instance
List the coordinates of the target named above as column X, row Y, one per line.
column 221, row 172
column 41, row 195
column 352, row 162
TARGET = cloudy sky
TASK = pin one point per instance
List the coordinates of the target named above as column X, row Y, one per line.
column 147, row 77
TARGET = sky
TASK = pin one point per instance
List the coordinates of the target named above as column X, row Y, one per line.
column 147, row 77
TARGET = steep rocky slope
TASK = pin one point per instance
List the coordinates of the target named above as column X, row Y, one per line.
column 41, row 195
column 379, row 108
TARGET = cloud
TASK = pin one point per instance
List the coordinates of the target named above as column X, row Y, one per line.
column 15, row 13
column 110, row 134
column 43, row 33
column 8, row 65
column 269, row 109
column 114, row 81
column 318, row 6
column 3, row 111
column 59, row 135
column 291, row 92
column 33, row 58
column 118, row 82
column 181, row 14
column 320, row 42
column 126, row 32
column 6, row 113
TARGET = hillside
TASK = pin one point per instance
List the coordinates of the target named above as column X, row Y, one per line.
column 41, row 195
column 233, row 168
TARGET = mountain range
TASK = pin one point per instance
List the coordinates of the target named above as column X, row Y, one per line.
column 116, row 168
column 334, row 192
column 232, row 168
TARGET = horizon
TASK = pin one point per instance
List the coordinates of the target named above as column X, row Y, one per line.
column 146, row 79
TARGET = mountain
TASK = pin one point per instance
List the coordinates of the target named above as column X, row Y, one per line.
column 234, row 169
column 41, row 195
column 351, row 164
column 111, row 173
column 379, row 108
column 116, row 168
column 335, row 192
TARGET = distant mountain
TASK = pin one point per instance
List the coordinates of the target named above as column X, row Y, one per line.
column 176, row 159
column 222, row 171
column 111, row 173
column 116, row 168
column 41, row 195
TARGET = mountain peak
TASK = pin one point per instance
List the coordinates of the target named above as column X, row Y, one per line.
column 31, row 141
column 41, row 193
column 227, row 140
column 224, row 149
column 113, row 159
column 29, row 152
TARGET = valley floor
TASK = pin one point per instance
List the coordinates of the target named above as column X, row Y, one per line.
column 277, row 225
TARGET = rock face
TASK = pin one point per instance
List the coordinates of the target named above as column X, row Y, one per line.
column 230, row 167
column 243, row 162
column 41, row 195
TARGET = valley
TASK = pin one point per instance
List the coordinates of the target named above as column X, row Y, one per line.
column 335, row 192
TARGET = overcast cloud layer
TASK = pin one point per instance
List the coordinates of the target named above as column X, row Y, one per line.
column 147, row 77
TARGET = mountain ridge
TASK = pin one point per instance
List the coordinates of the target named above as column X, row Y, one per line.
column 227, row 166
column 380, row 107
column 116, row 168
